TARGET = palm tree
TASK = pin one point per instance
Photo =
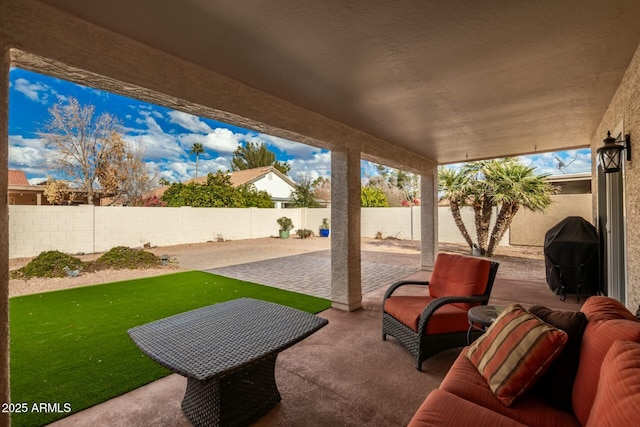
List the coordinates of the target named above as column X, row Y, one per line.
column 453, row 186
column 197, row 149
column 485, row 184
column 515, row 185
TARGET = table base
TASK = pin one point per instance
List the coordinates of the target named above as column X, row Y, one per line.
column 236, row 399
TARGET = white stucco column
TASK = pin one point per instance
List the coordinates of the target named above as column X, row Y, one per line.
column 4, row 229
column 346, row 286
column 429, row 218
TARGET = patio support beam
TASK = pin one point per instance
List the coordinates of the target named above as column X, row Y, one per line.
column 4, row 228
column 429, row 218
column 346, row 286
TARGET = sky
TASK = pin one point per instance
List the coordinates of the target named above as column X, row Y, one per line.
column 167, row 135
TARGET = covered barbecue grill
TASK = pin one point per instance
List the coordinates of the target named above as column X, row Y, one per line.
column 571, row 257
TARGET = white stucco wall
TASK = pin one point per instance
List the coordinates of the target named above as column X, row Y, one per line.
column 74, row 229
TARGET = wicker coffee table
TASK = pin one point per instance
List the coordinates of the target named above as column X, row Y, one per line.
column 228, row 353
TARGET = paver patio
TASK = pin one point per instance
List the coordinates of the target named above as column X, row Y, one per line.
column 311, row 273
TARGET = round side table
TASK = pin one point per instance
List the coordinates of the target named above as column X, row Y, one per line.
column 481, row 317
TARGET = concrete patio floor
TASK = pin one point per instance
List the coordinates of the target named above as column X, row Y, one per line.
column 344, row 375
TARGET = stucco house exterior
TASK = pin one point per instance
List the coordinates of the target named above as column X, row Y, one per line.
column 268, row 179
column 21, row 192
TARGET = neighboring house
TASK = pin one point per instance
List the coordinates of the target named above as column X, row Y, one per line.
column 576, row 183
column 20, row 192
column 266, row 178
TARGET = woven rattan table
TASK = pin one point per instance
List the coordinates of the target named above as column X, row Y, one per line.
column 228, row 353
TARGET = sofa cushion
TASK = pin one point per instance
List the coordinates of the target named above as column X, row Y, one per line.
column 597, row 340
column 457, row 275
column 556, row 384
column 446, row 319
column 464, row 380
column 448, row 410
column 605, row 308
column 617, row 401
column 515, row 351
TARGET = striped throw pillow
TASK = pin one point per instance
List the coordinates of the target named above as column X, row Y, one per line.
column 515, row 351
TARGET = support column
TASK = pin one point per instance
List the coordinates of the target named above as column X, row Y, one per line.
column 429, row 218
column 346, row 285
column 4, row 229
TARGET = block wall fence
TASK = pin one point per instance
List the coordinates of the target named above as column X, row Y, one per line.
column 91, row 229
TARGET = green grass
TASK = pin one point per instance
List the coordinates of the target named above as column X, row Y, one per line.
column 72, row 346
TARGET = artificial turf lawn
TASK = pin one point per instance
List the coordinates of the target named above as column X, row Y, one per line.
column 72, row 346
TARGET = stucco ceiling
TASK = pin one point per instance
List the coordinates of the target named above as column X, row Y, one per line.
column 448, row 79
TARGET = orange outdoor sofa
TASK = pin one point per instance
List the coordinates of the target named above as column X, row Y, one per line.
column 544, row 368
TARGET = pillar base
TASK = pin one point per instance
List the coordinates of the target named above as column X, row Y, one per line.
column 353, row 306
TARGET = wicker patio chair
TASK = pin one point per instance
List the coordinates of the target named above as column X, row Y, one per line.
column 437, row 320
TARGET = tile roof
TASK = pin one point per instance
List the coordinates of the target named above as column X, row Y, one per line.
column 245, row 176
column 17, row 177
column 249, row 175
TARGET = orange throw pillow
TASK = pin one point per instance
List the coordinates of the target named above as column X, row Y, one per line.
column 515, row 351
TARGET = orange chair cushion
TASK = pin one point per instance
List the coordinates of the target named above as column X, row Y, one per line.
column 446, row 319
column 457, row 275
column 605, row 308
column 617, row 401
column 596, row 342
column 515, row 351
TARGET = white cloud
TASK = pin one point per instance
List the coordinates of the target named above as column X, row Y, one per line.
column 59, row 97
column 37, row 92
column 189, row 122
column 153, row 126
column 318, row 165
column 175, row 171
column 211, row 165
column 26, row 153
column 221, row 140
column 292, row 148
column 158, row 146
column 38, row 180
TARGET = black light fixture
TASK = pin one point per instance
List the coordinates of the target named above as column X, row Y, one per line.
column 610, row 152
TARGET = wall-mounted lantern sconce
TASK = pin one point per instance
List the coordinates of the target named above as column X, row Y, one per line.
column 611, row 152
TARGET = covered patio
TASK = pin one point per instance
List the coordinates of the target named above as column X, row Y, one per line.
column 342, row 375
column 408, row 84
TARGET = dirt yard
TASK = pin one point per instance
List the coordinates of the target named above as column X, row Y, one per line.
column 526, row 263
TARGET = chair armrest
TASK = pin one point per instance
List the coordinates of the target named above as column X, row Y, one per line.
column 439, row 302
column 396, row 285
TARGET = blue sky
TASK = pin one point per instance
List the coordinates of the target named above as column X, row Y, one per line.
column 167, row 135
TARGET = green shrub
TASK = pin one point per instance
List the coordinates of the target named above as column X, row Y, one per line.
column 48, row 264
column 123, row 257
column 285, row 223
column 303, row 233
